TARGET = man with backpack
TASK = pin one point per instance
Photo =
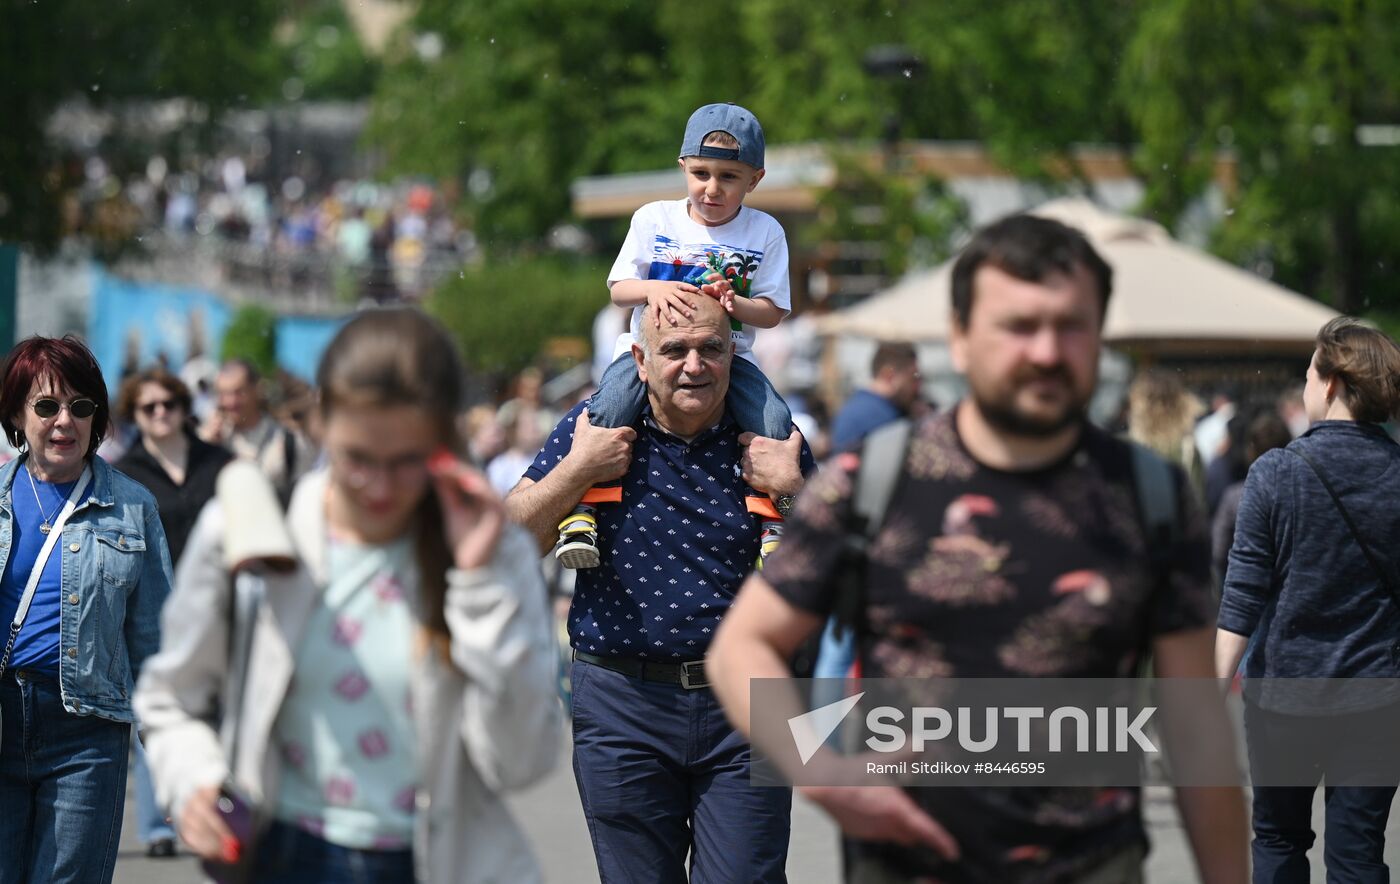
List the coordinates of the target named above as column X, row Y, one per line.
column 894, row 388
column 1015, row 540
column 242, row 424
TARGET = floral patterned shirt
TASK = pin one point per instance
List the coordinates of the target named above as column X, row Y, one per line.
column 978, row 572
column 345, row 730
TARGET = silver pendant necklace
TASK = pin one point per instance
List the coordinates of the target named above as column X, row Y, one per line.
column 47, row 525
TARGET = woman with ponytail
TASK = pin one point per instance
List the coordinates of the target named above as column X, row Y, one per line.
column 391, row 669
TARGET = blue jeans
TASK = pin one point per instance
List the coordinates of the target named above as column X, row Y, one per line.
column 837, row 654
column 288, row 855
column 62, row 786
column 835, row 657
column 151, row 824
column 756, row 406
column 661, row 774
column 1357, row 747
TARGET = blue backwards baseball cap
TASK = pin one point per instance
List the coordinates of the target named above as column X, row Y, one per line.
column 729, row 118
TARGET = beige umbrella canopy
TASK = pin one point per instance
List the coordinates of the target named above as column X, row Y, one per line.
column 1167, row 297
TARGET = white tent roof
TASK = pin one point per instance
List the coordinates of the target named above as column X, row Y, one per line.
column 1162, row 291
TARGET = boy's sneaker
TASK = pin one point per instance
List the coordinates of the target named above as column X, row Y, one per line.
column 578, row 539
column 769, row 539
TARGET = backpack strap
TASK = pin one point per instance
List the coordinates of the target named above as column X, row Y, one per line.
column 881, row 463
column 246, row 593
column 1156, row 494
column 1158, row 506
column 1351, row 525
column 256, row 541
column 289, row 464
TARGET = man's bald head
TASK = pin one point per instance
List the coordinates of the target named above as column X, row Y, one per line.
column 685, row 366
column 707, row 314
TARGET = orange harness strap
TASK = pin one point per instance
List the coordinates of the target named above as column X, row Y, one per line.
column 762, row 506
column 607, row 494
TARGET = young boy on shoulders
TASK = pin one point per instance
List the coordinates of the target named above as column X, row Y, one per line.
column 706, row 245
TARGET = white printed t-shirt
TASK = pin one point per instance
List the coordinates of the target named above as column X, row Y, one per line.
column 665, row 243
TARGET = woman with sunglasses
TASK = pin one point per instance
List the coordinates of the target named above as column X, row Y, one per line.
column 401, row 672
column 178, row 468
column 85, row 572
column 168, row 458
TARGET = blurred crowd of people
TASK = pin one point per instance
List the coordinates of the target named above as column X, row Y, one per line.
column 377, row 475
column 1214, row 436
column 362, row 239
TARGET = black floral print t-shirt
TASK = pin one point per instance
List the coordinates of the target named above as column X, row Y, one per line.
column 978, row 572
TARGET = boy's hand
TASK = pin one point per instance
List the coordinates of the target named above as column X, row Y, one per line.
column 669, row 298
column 719, row 288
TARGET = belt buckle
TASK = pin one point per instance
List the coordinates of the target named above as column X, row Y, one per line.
column 699, row 669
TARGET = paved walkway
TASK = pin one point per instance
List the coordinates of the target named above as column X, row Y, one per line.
column 551, row 814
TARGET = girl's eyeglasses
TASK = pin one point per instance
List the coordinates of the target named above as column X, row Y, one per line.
column 359, row 470
column 48, row 408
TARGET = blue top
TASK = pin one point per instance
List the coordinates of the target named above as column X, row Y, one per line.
column 115, row 575
column 36, row 646
column 674, row 552
column 862, row 414
column 1297, row 574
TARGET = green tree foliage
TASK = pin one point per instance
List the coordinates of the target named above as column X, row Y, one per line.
column 252, row 335
column 912, row 217
column 503, row 312
column 49, row 52
column 528, row 95
column 1285, row 86
column 218, row 54
column 1026, row 80
column 324, row 53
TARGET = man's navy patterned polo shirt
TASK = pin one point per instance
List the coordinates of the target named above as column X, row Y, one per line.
column 674, row 551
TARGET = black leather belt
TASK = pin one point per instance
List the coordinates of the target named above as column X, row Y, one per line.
column 689, row 674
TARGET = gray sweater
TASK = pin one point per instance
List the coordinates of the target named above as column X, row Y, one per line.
column 1296, row 574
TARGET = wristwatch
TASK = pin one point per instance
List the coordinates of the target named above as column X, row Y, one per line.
column 783, row 504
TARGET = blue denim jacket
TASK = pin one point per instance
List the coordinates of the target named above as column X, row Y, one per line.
column 116, row 575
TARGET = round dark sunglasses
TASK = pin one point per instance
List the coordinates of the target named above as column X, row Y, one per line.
column 49, row 408
column 150, row 408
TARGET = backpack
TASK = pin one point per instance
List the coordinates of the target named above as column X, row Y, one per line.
column 882, row 457
column 289, row 463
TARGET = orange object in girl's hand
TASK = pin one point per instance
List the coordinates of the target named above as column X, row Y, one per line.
column 442, row 461
column 232, row 849
column 445, row 465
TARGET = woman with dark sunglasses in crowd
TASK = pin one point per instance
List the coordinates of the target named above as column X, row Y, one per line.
column 400, row 666
column 168, row 458
column 85, row 571
column 178, row 468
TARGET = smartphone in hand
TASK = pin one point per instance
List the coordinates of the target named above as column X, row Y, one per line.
column 236, row 866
